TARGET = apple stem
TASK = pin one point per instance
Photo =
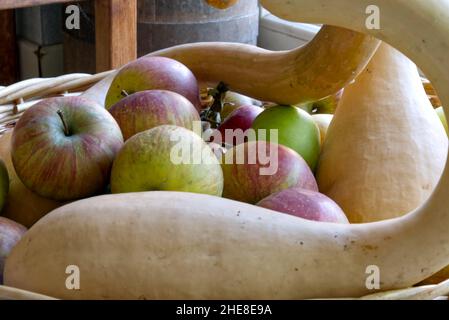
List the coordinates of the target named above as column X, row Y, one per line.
column 213, row 114
column 124, row 93
column 66, row 128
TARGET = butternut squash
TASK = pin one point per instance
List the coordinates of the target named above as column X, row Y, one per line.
column 386, row 148
column 7, row 293
column 309, row 73
column 22, row 205
column 169, row 245
column 177, row 245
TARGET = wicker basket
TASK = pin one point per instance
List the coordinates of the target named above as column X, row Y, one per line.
column 17, row 98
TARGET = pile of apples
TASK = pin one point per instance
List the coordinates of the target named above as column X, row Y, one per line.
column 69, row 148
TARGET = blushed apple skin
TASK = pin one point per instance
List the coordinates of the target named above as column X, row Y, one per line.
column 61, row 167
column 145, row 164
column 145, row 110
column 296, row 130
column 241, row 118
column 35, row 207
column 10, row 233
column 244, row 182
column 154, row 73
column 306, row 204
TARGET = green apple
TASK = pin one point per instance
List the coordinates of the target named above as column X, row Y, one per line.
column 326, row 105
column 296, row 129
column 168, row 158
column 442, row 116
column 4, row 184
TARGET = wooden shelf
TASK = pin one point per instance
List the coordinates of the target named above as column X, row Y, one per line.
column 14, row 4
column 116, row 29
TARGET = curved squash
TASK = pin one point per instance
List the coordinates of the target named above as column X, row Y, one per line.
column 7, row 293
column 386, row 148
column 319, row 69
column 234, row 250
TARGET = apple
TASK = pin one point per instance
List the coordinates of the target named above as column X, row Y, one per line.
column 35, row 207
column 148, row 109
column 442, row 116
column 150, row 73
column 305, row 204
column 241, row 118
column 4, row 184
column 218, row 150
column 233, row 100
column 63, row 148
column 326, row 105
column 323, row 122
column 256, row 169
column 167, row 158
column 10, row 233
column 295, row 129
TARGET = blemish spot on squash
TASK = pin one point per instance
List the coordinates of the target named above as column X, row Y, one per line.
column 427, row 186
column 369, row 247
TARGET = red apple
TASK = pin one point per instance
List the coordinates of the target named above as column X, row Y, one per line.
column 63, row 148
column 10, row 233
column 257, row 169
column 148, row 109
column 241, row 118
column 150, row 73
column 305, row 204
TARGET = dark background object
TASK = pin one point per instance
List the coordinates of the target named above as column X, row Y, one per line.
column 164, row 23
column 8, row 49
column 41, row 24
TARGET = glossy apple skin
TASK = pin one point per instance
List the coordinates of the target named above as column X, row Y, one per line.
column 145, row 164
column 154, row 73
column 61, row 167
column 296, row 130
column 306, row 204
column 10, row 233
column 241, row 118
column 245, row 183
column 145, row 110
column 233, row 100
column 326, row 105
column 323, row 122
